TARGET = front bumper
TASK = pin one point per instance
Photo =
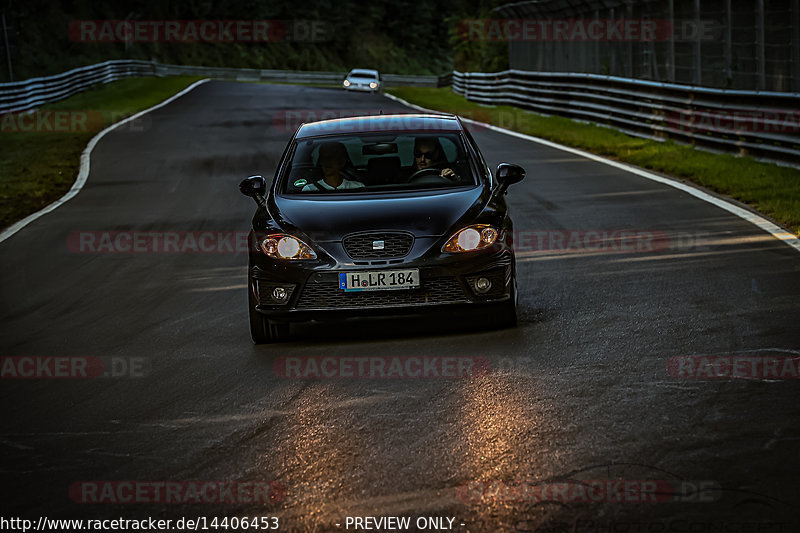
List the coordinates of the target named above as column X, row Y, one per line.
column 447, row 284
column 362, row 88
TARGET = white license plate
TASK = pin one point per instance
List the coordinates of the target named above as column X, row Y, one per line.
column 376, row 280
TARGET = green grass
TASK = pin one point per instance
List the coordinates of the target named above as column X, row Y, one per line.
column 39, row 167
column 770, row 189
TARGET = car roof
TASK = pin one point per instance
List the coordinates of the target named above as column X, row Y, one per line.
column 380, row 123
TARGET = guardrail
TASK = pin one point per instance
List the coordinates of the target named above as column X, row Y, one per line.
column 294, row 76
column 249, row 74
column 30, row 94
column 765, row 125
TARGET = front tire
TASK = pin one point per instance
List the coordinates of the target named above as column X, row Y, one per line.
column 259, row 330
column 507, row 315
column 263, row 330
column 507, row 312
column 278, row 331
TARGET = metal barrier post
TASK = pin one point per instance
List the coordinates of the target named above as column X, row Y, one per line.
column 8, row 49
column 671, row 42
column 796, row 46
column 760, row 55
column 696, row 51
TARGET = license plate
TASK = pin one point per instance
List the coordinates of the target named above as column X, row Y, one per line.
column 376, row 280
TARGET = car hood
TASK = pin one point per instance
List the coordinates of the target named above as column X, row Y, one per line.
column 423, row 214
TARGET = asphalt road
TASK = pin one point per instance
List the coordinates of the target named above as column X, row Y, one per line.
column 578, row 393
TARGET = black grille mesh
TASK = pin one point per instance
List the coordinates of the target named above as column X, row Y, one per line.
column 328, row 295
column 359, row 245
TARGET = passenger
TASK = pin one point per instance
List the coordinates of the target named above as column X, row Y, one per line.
column 428, row 153
column 333, row 160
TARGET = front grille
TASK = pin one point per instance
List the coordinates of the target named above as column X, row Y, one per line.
column 395, row 244
column 327, row 295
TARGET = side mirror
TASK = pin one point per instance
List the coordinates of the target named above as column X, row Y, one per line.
column 508, row 174
column 255, row 187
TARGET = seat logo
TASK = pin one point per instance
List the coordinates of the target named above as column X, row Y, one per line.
column 377, row 245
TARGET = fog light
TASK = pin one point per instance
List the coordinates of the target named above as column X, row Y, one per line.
column 482, row 285
column 279, row 294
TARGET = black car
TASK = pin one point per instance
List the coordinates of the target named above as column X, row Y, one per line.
column 380, row 215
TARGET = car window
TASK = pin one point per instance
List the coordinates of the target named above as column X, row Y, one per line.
column 376, row 162
column 482, row 165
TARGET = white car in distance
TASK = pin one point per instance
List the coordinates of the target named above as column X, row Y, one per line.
column 362, row 80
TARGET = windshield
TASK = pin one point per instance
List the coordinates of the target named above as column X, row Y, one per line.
column 363, row 74
column 377, row 162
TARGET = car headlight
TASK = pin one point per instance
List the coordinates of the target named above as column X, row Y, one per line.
column 373, row 85
column 346, row 83
column 471, row 238
column 282, row 246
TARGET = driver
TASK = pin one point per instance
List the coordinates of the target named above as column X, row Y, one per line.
column 428, row 153
column 333, row 160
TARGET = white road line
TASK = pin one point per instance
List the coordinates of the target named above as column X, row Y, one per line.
column 755, row 219
column 85, row 164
